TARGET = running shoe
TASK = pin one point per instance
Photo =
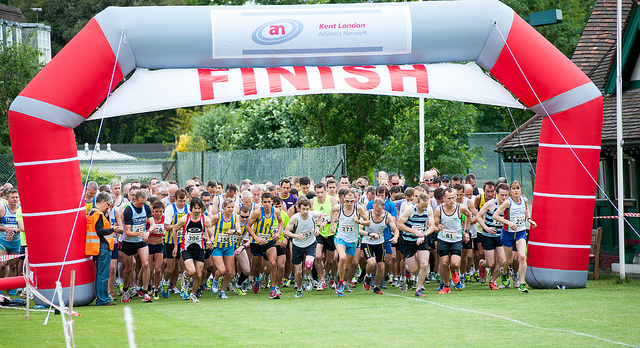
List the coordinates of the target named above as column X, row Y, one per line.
column 467, row 278
column 243, row 287
column 384, row 284
column 419, row 293
column 377, row 291
column 402, row 284
column 193, row 298
column 455, row 277
column 482, row 270
column 286, row 283
column 215, row 286
column 146, row 298
column 238, row 290
column 199, row 292
column 504, row 278
column 120, row 289
column 125, row 297
column 438, row 277
column 516, row 279
column 12, row 292
column 111, row 297
column 165, row 289
column 256, row 285
column 441, row 286
column 223, row 295
column 278, row 290
column 209, row 282
column 492, row 286
column 445, row 290
column 340, row 289
column 298, row 294
column 185, row 296
column 348, row 287
column 394, row 282
column 523, row 287
column 432, row 277
column 332, row 284
column 175, row 290
column 133, row 292
column 308, row 285
column 156, row 295
column 321, row 285
column 459, row 286
column 367, row 283
column 274, row 295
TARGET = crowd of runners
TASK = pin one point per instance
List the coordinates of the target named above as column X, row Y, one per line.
column 158, row 240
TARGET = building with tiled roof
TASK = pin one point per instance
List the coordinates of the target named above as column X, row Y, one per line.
column 595, row 55
column 12, row 14
column 14, row 29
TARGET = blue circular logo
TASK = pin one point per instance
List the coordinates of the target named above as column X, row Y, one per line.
column 277, row 32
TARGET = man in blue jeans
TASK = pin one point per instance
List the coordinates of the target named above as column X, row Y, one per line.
column 99, row 223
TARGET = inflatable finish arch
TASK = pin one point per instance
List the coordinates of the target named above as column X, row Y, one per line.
column 75, row 82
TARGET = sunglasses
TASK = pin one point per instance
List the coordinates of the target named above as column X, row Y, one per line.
column 349, row 200
column 244, row 216
column 395, row 183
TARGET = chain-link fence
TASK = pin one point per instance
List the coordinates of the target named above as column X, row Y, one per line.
column 259, row 165
column 490, row 165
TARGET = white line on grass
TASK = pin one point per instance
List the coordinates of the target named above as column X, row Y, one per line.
column 513, row 320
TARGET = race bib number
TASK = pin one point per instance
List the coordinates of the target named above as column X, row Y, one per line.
column 224, row 238
column 137, row 228
column 519, row 220
column 327, row 218
column 266, row 236
column 347, row 228
column 419, row 228
column 193, row 238
column 449, row 234
column 274, row 230
column 307, row 234
column 237, row 239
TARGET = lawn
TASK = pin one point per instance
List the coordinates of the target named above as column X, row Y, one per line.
column 603, row 314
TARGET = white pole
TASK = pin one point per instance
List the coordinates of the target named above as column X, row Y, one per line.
column 67, row 338
column 619, row 140
column 422, row 169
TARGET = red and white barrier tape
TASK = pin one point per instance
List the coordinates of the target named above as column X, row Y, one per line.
column 615, row 217
column 5, row 258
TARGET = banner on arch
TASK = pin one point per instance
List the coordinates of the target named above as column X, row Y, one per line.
column 152, row 90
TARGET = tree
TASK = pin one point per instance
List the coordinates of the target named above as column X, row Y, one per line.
column 446, row 126
column 362, row 122
column 18, row 65
column 269, row 124
column 219, row 127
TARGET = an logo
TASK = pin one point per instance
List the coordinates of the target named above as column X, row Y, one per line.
column 277, row 32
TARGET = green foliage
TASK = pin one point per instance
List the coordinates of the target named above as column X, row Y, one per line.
column 219, row 127
column 151, row 127
column 18, row 65
column 362, row 122
column 446, row 125
column 101, row 177
column 269, row 124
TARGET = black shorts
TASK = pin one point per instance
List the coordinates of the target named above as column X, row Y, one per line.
column 448, row 248
column 114, row 252
column 168, row 251
column 299, row 254
column 207, row 252
column 131, row 248
column 431, row 240
column 261, row 250
column 373, row 250
column 490, row 243
column 326, row 242
column 467, row 245
column 409, row 248
column 281, row 250
column 475, row 243
column 193, row 252
column 156, row 249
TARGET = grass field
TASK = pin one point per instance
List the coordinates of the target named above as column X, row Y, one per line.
column 603, row 314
